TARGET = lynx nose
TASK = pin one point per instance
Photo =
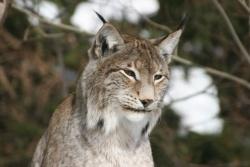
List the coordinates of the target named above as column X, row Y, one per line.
column 146, row 102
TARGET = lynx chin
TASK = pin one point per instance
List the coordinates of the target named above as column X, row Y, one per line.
column 116, row 104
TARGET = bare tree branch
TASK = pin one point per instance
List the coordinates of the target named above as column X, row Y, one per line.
column 232, row 30
column 204, row 90
column 215, row 72
column 42, row 35
column 244, row 5
column 210, row 70
column 4, row 5
column 148, row 20
column 156, row 25
column 52, row 23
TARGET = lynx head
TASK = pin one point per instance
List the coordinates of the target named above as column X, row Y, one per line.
column 126, row 77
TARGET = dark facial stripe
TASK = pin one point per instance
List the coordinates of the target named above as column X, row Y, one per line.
column 100, row 123
column 144, row 130
column 111, row 71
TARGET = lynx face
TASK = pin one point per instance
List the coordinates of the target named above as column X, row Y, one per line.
column 126, row 76
column 138, row 77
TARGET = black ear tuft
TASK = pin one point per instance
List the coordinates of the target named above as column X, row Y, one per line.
column 101, row 18
column 104, row 45
column 184, row 19
column 106, row 40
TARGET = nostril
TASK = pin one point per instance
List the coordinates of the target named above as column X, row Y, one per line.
column 146, row 102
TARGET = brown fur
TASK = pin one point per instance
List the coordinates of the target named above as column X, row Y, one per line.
column 117, row 103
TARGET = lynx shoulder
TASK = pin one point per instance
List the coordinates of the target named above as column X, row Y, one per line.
column 116, row 104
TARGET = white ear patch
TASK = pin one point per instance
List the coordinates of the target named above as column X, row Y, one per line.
column 110, row 35
column 168, row 45
column 112, row 40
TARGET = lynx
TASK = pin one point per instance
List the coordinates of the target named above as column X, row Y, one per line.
column 117, row 102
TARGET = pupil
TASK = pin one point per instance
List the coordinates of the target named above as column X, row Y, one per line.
column 158, row 77
column 130, row 73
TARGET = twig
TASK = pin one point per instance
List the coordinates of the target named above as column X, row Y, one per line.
column 232, row 30
column 148, row 20
column 42, row 35
column 47, row 36
column 204, row 90
column 156, row 25
column 52, row 23
column 210, row 70
column 244, row 5
column 4, row 5
column 215, row 72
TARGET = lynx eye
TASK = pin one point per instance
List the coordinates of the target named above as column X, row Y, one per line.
column 158, row 77
column 129, row 73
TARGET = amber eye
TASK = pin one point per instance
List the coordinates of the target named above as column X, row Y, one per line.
column 158, row 77
column 130, row 73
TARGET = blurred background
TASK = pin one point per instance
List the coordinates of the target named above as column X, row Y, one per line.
column 206, row 118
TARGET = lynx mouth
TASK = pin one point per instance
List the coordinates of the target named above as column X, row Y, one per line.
column 135, row 110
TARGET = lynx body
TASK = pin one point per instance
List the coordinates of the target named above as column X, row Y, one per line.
column 117, row 102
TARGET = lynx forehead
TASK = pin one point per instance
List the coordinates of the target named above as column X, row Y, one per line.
column 117, row 103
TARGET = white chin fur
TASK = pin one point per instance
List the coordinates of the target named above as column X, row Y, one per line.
column 135, row 116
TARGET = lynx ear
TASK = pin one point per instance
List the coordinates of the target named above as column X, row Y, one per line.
column 106, row 40
column 167, row 44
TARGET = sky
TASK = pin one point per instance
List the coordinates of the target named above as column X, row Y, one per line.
column 199, row 113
